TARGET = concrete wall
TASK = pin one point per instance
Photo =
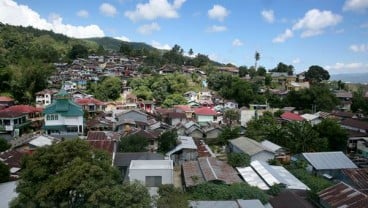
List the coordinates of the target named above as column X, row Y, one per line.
column 140, row 175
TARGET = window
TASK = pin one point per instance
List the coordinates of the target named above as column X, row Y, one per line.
column 47, row 117
column 153, row 181
column 52, row 117
column 56, row 117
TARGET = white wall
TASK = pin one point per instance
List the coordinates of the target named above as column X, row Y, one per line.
column 140, row 175
column 75, row 120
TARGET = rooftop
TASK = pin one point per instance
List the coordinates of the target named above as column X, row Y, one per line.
column 247, row 145
column 151, row 164
column 124, row 158
column 186, row 142
column 329, row 160
column 205, row 111
column 252, row 178
column 291, row 116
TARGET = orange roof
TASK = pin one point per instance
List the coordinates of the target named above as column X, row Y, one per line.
column 87, row 101
column 205, row 111
column 291, row 116
column 22, row 109
column 6, row 99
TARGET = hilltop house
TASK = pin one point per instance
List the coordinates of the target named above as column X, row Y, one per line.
column 63, row 118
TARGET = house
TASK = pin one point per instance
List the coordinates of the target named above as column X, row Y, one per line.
column 345, row 99
column 34, row 115
column 342, row 195
column 291, row 199
column 328, row 164
column 270, row 175
column 239, row 203
column 186, row 150
column 152, row 173
column 12, row 158
column 296, row 86
column 313, row 119
column 91, row 105
column 45, row 97
column 103, row 140
column 63, row 118
column 147, row 105
column 122, row 160
column 186, row 109
column 100, row 122
column 151, row 135
column 190, row 96
column 355, row 125
column 212, row 133
column 254, row 149
column 175, row 118
column 204, row 115
column 231, row 105
column 13, row 122
column 281, row 154
column 290, row 117
column 131, row 115
column 6, row 101
column 35, row 142
column 206, row 169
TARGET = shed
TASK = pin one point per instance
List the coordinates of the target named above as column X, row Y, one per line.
column 152, row 173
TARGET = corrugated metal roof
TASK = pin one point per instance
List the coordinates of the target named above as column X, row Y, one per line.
column 277, row 175
column 329, row 160
column 343, row 195
column 252, row 178
column 240, row 203
column 7, row 193
column 359, row 178
column 41, row 141
column 185, row 143
column 247, row 145
column 271, row 146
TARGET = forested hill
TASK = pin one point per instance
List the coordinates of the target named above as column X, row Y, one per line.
column 114, row 44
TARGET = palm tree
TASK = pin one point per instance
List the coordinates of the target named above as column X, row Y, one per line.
column 257, row 56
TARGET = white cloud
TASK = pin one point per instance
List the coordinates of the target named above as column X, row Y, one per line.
column 296, row 61
column 355, row 67
column 108, row 10
column 83, row 13
column 315, row 21
column 160, row 46
column 268, row 16
column 218, row 12
column 155, row 9
column 18, row 14
column 355, row 5
column 123, row 38
column 149, row 28
column 216, row 28
column 237, row 42
column 284, row 36
column 359, row 47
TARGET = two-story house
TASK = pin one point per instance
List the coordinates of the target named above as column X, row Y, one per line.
column 91, row 105
column 45, row 97
column 63, row 118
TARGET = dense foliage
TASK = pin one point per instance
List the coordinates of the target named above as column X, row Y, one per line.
column 72, row 174
column 167, row 141
column 4, row 144
column 133, row 143
column 4, row 172
column 212, row 191
column 316, row 74
column 170, row 197
column 335, row 135
column 238, row 159
column 106, row 89
column 359, row 102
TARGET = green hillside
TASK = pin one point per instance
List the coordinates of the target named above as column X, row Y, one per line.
column 114, row 44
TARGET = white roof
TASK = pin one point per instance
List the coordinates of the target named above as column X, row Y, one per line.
column 270, row 145
column 277, row 175
column 185, row 143
column 151, row 164
column 309, row 117
column 329, row 160
column 252, row 178
column 7, row 193
column 41, row 141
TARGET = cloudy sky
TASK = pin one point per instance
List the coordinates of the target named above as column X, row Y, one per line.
column 329, row 33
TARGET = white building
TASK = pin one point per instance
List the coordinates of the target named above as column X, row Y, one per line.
column 152, row 173
column 44, row 98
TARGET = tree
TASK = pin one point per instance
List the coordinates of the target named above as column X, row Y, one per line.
column 4, row 172
column 261, row 71
column 281, row 67
column 73, row 174
column 108, row 89
column 126, row 49
column 167, row 141
column 336, row 135
column 174, row 99
column 227, row 134
column 238, row 159
column 316, row 74
column 169, row 197
column 232, row 115
column 133, row 143
column 190, row 52
column 4, row 145
column 359, row 102
column 78, row 51
column 257, row 56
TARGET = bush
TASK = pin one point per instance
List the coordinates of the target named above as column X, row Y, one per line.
column 238, row 159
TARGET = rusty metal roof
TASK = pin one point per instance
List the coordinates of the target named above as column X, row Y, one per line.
column 358, row 177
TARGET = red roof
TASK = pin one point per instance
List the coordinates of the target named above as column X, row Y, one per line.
column 6, row 99
column 23, row 109
column 291, row 116
column 87, row 101
column 205, row 111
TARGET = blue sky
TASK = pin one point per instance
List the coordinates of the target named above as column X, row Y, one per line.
column 329, row 33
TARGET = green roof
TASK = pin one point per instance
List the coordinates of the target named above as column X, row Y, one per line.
column 64, row 107
column 56, row 127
